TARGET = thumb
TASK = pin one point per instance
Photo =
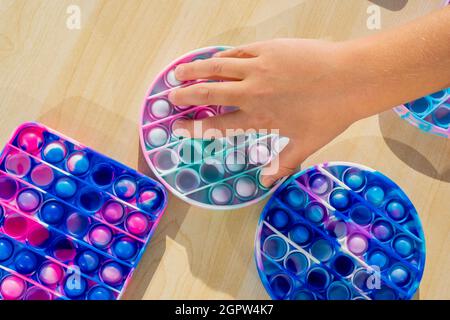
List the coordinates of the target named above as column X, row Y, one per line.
column 285, row 164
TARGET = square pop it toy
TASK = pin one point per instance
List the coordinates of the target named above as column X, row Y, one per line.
column 340, row 231
column 430, row 113
column 216, row 174
column 73, row 223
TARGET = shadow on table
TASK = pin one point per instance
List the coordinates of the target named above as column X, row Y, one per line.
column 221, row 263
column 423, row 152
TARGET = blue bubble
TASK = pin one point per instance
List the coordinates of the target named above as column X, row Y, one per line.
column 90, row 200
column 354, row 178
column 340, row 199
column 384, row 293
column 52, row 212
column 54, row 152
column 300, row 234
column 25, row 262
column 88, row 261
column 375, row 195
column 100, row 293
column 338, row 291
column 361, row 215
column 2, row 212
column 322, row 250
column 125, row 249
column 296, row 262
column 275, row 247
column 400, row 275
column 279, row 218
column 343, row 265
column 6, row 249
column 318, row 278
column 65, row 188
column 78, row 163
column 304, row 295
column 378, row 258
column 281, row 285
column 315, row 212
column 404, row 246
column 420, row 105
column 103, row 175
column 75, row 286
column 295, row 198
column 150, row 199
column 396, row 210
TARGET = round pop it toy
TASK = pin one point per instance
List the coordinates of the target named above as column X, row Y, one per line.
column 340, row 231
column 216, row 174
column 430, row 113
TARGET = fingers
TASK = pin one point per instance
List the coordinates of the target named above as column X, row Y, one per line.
column 246, row 51
column 214, row 68
column 216, row 126
column 209, row 93
column 284, row 165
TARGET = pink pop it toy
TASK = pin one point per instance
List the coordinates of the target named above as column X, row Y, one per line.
column 73, row 223
column 216, row 174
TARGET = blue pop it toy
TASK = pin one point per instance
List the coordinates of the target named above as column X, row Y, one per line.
column 73, row 223
column 340, row 231
column 430, row 113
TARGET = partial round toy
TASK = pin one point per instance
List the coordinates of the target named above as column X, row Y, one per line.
column 430, row 113
column 340, row 231
column 217, row 174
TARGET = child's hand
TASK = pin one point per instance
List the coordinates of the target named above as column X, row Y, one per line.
column 313, row 90
column 296, row 86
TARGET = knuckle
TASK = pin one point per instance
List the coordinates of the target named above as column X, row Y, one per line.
column 203, row 92
column 216, row 67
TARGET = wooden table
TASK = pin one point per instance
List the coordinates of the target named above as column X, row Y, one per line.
column 89, row 84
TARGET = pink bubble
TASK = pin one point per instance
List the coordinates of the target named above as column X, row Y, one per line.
column 36, row 293
column 8, row 187
column 113, row 212
column 100, row 236
column 28, row 200
column 15, row 226
column 42, row 175
column 137, row 223
column 51, row 274
column 12, row 288
column 64, row 250
column 357, row 244
column 18, row 164
column 37, row 235
column 31, row 139
column 112, row 273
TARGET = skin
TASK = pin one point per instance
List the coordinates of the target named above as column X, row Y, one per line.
column 313, row 90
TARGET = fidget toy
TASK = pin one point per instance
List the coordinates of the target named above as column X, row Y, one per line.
column 217, row 173
column 430, row 113
column 73, row 223
column 340, row 231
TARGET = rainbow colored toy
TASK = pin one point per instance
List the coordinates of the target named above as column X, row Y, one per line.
column 430, row 113
column 73, row 223
column 215, row 174
column 340, row 231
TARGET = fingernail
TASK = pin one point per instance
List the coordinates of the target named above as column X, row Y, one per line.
column 179, row 71
column 178, row 124
column 171, row 96
column 280, row 144
column 217, row 54
column 267, row 181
